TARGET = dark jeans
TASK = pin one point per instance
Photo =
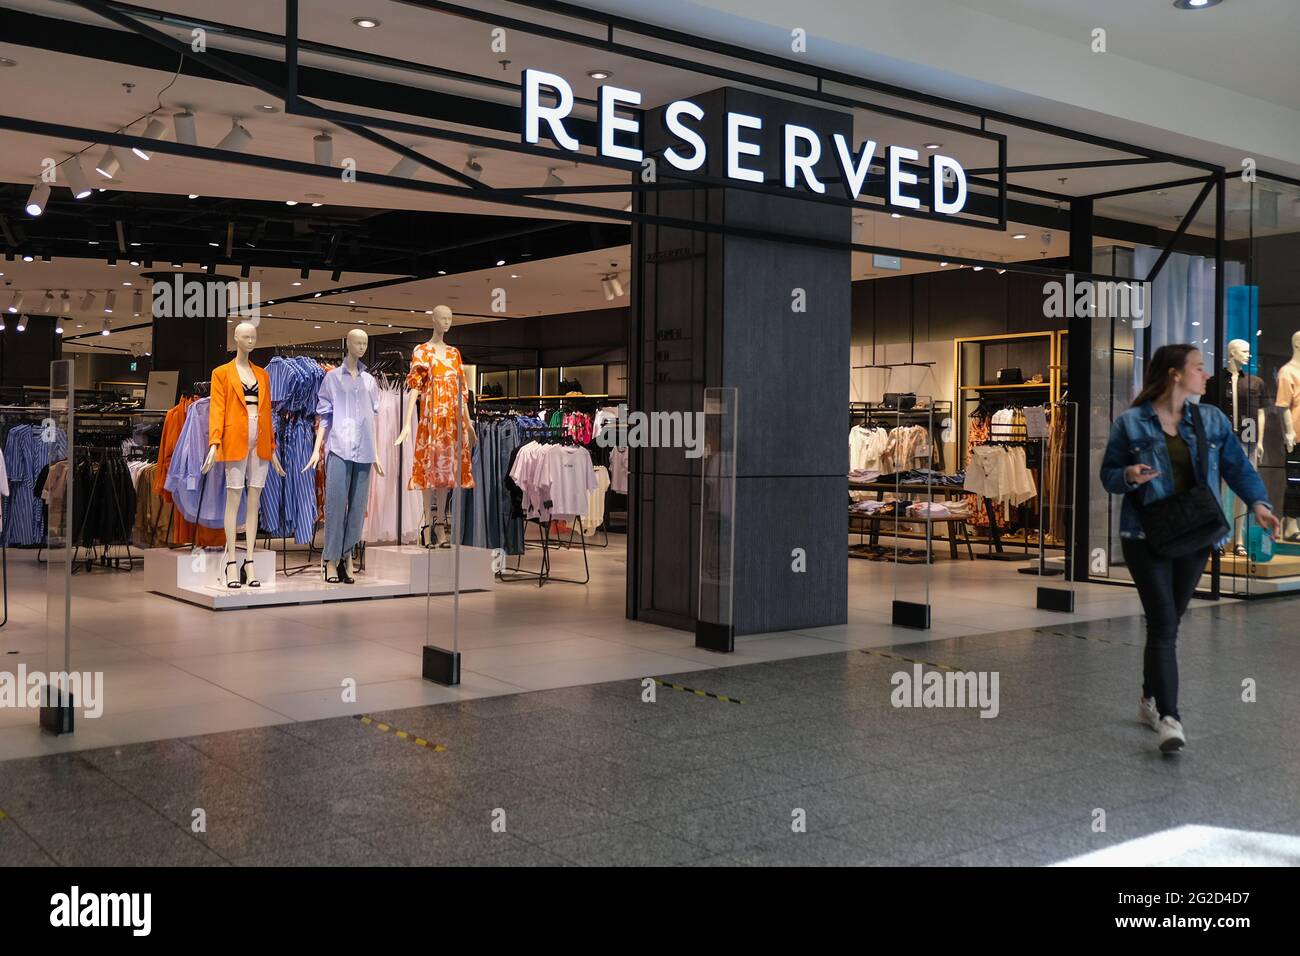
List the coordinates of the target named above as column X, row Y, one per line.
column 1166, row 586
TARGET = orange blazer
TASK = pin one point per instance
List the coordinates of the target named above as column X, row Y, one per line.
column 228, row 416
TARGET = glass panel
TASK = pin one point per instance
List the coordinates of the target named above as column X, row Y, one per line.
column 589, row 379
column 550, row 381
column 715, row 619
column 446, row 517
column 616, row 380
column 52, row 447
column 910, row 522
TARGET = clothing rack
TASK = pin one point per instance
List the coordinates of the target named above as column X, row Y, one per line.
column 996, row 551
column 122, row 532
column 933, row 415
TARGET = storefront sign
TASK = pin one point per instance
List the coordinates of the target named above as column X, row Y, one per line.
column 801, row 146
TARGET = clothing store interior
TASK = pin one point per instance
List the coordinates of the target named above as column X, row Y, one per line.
column 327, row 395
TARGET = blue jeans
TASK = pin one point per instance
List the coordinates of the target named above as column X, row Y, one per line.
column 1166, row 586
column 347, row 485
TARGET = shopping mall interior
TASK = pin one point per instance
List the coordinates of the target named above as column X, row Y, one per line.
column 539, row 291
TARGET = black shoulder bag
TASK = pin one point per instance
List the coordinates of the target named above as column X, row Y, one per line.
column 1185, row 523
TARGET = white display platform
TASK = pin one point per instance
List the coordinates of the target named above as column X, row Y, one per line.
column 390, row 572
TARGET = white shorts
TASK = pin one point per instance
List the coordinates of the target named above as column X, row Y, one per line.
column 252, row 467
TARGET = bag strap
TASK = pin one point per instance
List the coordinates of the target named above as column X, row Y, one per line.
column 1202, row 444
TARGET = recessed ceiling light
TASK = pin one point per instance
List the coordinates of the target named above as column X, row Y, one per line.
column 268, row 108
column 1196, row 4
column 365, row 23
column 1019, row 235
column 501, row 262
column 295, row 283
column 932, row 145
column 317, row 205
column 291, row 202
column 5, row 61
column 194, row 195
column 600, row 74
column 895, row 215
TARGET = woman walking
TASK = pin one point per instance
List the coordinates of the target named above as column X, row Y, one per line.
column 1154, row 453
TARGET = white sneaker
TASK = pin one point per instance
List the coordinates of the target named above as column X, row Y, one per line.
column 1172, row 739
column 1147, row 713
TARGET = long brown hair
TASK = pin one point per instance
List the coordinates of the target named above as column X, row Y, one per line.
column 1168, row 358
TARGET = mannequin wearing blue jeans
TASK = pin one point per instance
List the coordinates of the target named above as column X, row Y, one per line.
column 346, row 405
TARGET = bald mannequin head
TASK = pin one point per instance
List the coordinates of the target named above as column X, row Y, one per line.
column 442, row 318
column 245, row 336
column 358, row 342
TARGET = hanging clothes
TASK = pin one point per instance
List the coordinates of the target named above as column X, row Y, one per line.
column 26, row 455
column 199, row 498
column 867, row 446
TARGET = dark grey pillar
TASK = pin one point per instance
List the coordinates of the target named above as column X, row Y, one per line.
column 192, row 345
column 716, row 310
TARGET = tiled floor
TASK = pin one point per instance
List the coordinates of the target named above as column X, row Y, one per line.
column 173, row 670
column 596, row 775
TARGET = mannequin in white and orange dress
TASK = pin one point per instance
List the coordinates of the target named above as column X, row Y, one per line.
column 437, row 383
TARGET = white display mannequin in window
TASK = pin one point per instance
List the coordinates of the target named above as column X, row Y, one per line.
column 1288, row 403
column 347, row 403
column 1243, row 398
column 240, row 436
column 438, row 386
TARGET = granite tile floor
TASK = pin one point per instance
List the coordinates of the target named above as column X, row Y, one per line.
column 815, row 766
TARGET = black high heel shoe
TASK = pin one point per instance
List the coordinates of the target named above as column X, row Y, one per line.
column 247, row 578
column 233, row 584
column 342, row 571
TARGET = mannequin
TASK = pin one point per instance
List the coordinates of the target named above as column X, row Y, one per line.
column 1243, row 398
column 437, row 382
column 347, row 404
column 239, row 436
column 1288, row 400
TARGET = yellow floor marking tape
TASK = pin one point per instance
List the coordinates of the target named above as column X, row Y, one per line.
column 698, row 693
column 910, row 660
column 387, row 728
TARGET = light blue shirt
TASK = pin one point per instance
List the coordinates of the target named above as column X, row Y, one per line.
column 347, row 405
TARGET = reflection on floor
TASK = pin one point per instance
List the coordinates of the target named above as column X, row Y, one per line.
column 173, row 670
column 814, row 766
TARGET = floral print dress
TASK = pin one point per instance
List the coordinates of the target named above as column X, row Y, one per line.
column 440, row 382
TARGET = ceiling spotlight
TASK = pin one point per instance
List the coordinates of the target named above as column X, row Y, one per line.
column 155, row 130
column 291, row 202
column 47, row 303
column 110, row 300
column 406, row 168
column 268, row 108
column 112, row 260
column 317, row 205
column 16, row 302
column 978, row 268
column 134, row 262
column 214, row 245
column 608, row 288
column 366, row 23
column 237, row 138
column 178, row 265
column 65, row 304
column 895, row 215
column 932, row 145
column 58, row 327
column 107, row 327
column 76, row 178
column 472, row 167
column 137, row 302
column 943, row 264
column 1019, row 235
column 1002, row 272
column 22, row 323
column 304, row 273
column 245, row 271
column 600, row 74
column 1196, row 4
column 110, row 164
column 36, row 200
column 295, row 283
column 194, row 195
column 617, row 286
column 28, row 257
column 183, row 124
column 323, row 149
column 336, row 275
column 501, row 262
column 88, row 302
column 552, row 179
column 5, row 61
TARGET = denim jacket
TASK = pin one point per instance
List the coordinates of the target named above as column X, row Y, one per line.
column 1136, row 437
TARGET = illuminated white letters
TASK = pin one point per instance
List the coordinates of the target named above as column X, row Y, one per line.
column 673, row 120
column 609, row 123
column 938, row 165
column 898, row 176
column 554, row 116
column 792, row 160
column 854, row 168
column 736, row 147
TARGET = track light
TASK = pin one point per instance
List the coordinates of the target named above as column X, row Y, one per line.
column 154, row 130
column 304, row 273
column 237, row 138
column 16, row 302
column 28, row 257
column 245, row 271
column 22, row 323
column 110, row 164
column 107, row 327
column 2, row 323
column 76, row 178
column 323, row 149
column 406, row 168
column 88, row 302
column 183, row 124
column 137, row 302
column 617, row 286
column 472, row 167
column 110, row 300
column 58, row 326
column 552, row 179
column 40, row 194
column 608, row 288
column 336, row 275
column 47, row 303
column 65, row 304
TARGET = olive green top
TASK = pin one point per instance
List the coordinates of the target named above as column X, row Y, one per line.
column 1180, row 456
